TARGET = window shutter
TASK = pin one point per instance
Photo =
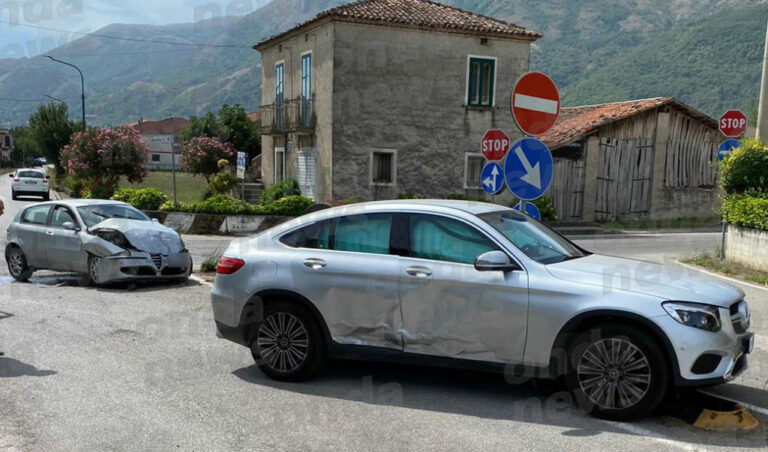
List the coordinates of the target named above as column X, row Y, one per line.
column 307, row 173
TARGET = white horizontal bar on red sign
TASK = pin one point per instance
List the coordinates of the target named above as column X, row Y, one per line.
column 536, row 104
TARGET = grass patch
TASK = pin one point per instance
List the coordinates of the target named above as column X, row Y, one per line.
column 714, row 263
column 189, row 188
column 664, row 224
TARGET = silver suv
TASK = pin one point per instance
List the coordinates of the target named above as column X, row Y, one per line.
column 481, row 286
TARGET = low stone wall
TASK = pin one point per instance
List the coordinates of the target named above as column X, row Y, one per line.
column 677, row 203
column 747, row 246
column 205, row 224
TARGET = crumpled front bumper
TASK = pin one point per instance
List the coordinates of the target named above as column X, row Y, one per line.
column 140, row 265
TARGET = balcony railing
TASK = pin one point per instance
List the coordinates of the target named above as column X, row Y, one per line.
column 292, row 116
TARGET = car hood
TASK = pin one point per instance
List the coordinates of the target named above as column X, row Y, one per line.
column 666, row 282
column 146, row 236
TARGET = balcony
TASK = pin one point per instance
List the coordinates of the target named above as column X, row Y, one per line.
column 292, row 116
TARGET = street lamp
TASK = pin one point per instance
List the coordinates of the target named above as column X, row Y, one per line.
column 82, row 83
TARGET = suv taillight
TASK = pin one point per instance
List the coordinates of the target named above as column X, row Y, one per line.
column 45, row 181
column 16, row 179
column 228, row 265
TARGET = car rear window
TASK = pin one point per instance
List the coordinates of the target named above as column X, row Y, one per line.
column 36, row 215
column 314, row 236
column 31, row 174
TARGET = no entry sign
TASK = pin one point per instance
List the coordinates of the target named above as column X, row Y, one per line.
column 494, row 145
column 733, row 123
column 535, row 103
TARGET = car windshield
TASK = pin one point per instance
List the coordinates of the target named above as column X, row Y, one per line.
column 533, row 238
column 31, row 174
column 93, row 215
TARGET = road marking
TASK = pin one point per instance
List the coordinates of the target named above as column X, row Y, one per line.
column 693, row 267
column 749, row 406
column 536, row 104
column 653, row 436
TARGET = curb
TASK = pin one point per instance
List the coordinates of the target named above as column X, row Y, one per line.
column 738, row 419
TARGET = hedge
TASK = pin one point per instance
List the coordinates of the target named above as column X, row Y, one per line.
column 142, row 199
column 227, row 205
column 282, row 189
column 746, row 169
column 746, row 211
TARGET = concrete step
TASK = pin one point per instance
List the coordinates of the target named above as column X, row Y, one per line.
column 250, row 192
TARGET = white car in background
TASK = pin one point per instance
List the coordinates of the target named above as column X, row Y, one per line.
column 30, row 182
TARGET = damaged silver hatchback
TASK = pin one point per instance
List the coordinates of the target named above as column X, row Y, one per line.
column 108, row 241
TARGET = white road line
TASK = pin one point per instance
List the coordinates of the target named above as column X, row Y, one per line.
column 693, row 267
column 653, row 436
column 748, row 406
column 536, row 104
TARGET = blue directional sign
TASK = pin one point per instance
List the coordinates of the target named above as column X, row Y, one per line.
column 528, row 169
column 492, row 178
column 530, row 209
column 726, row 147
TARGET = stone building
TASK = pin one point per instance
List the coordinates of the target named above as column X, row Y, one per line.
column 639, row 159
column 380, row 98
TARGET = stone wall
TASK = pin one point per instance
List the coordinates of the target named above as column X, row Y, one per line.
column 747, row 246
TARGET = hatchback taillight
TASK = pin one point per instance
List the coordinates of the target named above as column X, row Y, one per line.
column 228, row 265
column 16, row 179
column 45, row 181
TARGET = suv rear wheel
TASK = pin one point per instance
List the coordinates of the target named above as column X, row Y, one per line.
column 287, row 344
column 617, row 372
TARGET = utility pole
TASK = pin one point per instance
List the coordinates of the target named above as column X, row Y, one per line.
column 82, row 83
column 762, row 112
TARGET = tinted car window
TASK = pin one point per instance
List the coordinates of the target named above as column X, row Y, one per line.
column 31, row 174
column 364, row 233
column 315, row 236
column 36, row 215
column 443, row 239
column 60, row 216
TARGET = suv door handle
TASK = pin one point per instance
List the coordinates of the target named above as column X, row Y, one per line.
column 419, row 272
column 49, row 232
column 314, row 264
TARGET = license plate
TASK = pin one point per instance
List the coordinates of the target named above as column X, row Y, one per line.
column 748, row 343
column 30, row 182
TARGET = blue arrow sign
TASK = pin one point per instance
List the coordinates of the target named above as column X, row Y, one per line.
column 528, row 169
column 726, row 147
column 492, row 178
column 530, row 209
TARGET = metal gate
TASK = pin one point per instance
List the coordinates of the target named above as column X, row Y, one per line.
column 624, row 179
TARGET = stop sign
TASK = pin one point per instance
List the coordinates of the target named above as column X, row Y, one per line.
column 733, row 123
column 495, row 145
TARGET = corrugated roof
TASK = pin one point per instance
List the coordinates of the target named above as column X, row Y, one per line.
column 421, row 14
column 577, row 122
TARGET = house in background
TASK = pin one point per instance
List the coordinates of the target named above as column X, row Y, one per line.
column 6, row 145
column 378, row 98
column 164, row 139
column 639, row 159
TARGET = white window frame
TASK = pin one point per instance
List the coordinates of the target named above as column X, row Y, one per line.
column 465, row 102
column 467, row 156
column 394, row 167
column 277, row 150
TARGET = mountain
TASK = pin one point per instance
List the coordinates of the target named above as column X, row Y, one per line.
column 713, row 63
column 596, row 50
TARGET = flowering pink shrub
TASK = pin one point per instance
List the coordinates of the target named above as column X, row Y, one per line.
column 100, row 157
column 201, row 155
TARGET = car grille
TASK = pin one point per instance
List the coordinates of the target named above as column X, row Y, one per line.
column 158, row 260
column 740, row 317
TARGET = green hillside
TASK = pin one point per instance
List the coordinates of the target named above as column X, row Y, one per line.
column 713, row 64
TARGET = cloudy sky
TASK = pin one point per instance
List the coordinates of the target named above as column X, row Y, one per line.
column 90, row 15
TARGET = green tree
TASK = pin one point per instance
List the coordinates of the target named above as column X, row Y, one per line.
column 232, row 126
column 25, row 146
column 51, row 129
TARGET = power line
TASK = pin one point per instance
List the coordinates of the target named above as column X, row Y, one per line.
column 6, row 99
column 122, row 38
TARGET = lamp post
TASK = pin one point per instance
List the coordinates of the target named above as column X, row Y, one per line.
column 82, row 83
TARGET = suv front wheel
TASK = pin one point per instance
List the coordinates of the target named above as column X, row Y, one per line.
column 617, row 372
column 287, row 344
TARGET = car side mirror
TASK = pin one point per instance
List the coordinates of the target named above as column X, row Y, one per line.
column 70, row 226
column 10, row 174
column 155, row 220
column 495, row 261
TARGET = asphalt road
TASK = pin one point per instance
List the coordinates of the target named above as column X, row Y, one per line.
column 112, row 369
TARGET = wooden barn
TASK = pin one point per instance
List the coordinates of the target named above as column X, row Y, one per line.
column 640, row 159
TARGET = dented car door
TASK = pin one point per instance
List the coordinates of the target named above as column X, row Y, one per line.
column 449, row 308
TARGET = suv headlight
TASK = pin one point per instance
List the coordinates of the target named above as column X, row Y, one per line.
column 697, row 315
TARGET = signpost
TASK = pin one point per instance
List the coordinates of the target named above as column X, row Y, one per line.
column 726, row 147
column 494, row 145
column 535, row 103
column 241, row 171
column 528, row 169
column 733, row 123
column 531, row 210
column 492, row 178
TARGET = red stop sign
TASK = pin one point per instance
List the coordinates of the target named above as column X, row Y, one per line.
column 733, row 123
column 495, row 145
